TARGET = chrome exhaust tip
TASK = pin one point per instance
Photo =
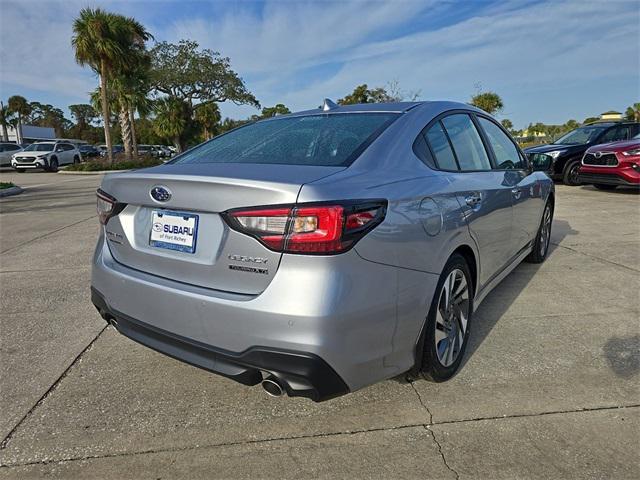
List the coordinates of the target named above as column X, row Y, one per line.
column 272, row 387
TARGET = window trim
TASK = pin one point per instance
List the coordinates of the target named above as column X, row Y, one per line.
column 439, row 118
column 489, row 147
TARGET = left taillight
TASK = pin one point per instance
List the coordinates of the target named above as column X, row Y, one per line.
column 107, row 206
column 320, row 229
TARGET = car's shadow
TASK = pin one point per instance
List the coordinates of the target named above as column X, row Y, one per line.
column 500, row 299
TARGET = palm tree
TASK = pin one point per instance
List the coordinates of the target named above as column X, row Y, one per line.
column 209, row 116
column 20, row 107
column 4, row 121
column 170, row 119
column 633, row 112
column 104, row 41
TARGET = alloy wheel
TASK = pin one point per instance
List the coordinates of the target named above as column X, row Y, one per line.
column 451, row 317
column 545, row 231
column 573, row 174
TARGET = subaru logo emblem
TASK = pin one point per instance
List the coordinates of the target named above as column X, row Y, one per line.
column 160, row 194
column 598, row 154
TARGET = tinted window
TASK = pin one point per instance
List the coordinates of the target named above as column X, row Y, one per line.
column 507, row 155
column 615, row 134
column 324, row 140
column 67, row 146
column 467, row 143
column 421, row 149
column 11, row 148
column 441, row 148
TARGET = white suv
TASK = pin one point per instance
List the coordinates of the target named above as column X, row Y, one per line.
column 46, row 155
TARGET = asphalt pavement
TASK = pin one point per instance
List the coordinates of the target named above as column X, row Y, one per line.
column 550, row 387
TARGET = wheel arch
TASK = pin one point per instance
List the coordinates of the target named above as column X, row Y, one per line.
column 469, row 255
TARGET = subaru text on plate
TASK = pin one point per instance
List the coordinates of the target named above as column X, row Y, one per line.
column 322, row 251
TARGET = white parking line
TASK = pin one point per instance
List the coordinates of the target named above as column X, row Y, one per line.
column 26, row 187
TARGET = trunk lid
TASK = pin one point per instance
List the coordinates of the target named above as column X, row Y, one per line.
column 223, row 258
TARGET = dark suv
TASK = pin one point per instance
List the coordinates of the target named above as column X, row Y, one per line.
column 568, row 150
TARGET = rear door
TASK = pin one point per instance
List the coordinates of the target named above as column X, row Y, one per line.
column 482, row 192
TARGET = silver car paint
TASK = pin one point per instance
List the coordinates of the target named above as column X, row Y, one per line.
column 320, row 304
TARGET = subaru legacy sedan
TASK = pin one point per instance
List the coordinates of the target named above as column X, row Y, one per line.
column 319, row 252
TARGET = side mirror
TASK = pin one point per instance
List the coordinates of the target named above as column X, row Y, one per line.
column 540, row 162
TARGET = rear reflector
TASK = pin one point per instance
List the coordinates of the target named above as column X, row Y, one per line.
column 309, row 228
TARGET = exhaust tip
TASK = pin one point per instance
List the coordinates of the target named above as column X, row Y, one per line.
column 272, row 387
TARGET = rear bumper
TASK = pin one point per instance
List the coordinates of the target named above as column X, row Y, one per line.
column 338, row 316
column 301, row 374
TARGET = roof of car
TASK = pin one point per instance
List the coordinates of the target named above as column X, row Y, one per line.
column 391, row 107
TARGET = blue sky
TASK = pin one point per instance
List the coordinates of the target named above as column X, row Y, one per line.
column 549, row 60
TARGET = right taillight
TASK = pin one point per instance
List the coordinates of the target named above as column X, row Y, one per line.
column 320, row 229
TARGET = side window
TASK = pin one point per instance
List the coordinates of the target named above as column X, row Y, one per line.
column 421, row 149
column 12, row 148
column 441, row 148
column 507, row 155
column 614, row 134
column 466, row 142
column 67, row 147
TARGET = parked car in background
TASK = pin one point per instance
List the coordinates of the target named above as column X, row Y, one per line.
column 162, row 151
column 115, row 149
column 568, row 150
column 255, row 254
column 146, row 150
column 6, row 151
column 89, row 151
column 611, row 165
column 46, row 155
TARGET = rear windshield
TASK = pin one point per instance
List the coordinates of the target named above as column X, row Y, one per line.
column 323, row 140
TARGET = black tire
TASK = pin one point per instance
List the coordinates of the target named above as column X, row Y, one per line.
column 20, row 170
column 76, row 159
column 53, row 165
column 604, row 186
column 432, row 367
column 543, row 237
column 570, row 173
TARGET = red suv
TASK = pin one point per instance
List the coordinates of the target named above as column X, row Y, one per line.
column 609, row 165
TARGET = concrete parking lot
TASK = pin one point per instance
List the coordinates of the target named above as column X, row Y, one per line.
column 550, row 387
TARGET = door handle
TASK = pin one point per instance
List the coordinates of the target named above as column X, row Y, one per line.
column 516, row 192
column 473, row 200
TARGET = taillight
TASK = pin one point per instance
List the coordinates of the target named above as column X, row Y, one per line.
column 107, row 206
column 309, row 228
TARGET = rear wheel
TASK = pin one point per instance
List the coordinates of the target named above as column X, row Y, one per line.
column 570, row 174
column 604, row 186
column 76, row 159
column 541, row 245
column 447, row 327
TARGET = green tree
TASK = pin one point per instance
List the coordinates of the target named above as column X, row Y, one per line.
column 571, row 125
column 5, row 115
column 171, row 119
column 20, row 107
column 209, row 117
column 278, row 109
column 196, row 77
column 590, row 120
column 633, row 112
column 45, row 115
column 490, row 102
column 83, row 113
column 507, row 124
column 104, row 41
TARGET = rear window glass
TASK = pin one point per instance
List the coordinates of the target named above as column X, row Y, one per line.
column 324, row 140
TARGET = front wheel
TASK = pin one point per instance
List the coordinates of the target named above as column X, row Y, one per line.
column 76, row 159
column 571, row 172
column 447, row 328
column 541, row 244
column 53, row 165
column 604, row 186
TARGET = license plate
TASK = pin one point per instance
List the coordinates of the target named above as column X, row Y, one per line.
column 174, row 231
